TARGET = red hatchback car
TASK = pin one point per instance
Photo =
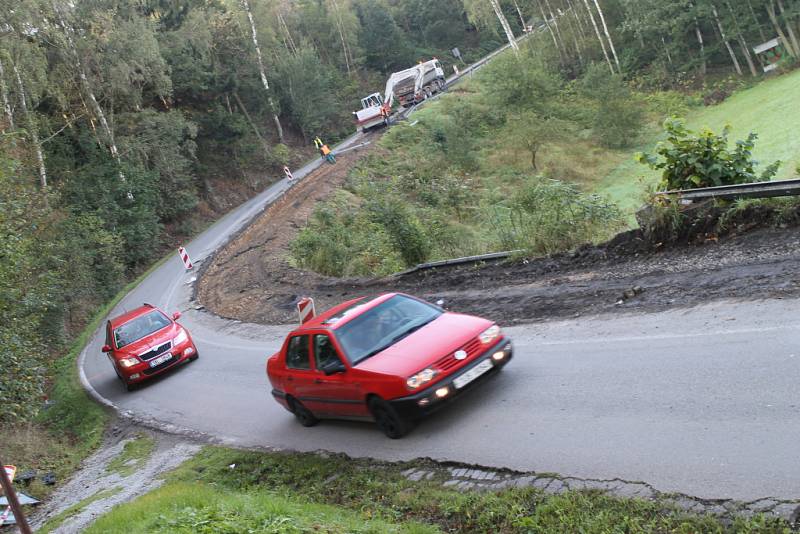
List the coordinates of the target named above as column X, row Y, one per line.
column 392, row 359
column 145, row 342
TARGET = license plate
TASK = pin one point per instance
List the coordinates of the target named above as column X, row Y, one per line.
column 161, row 359
column 472, row 374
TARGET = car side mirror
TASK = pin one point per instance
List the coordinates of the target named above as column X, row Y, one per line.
column 106, row 348
column 176, row 316
column 334, row 367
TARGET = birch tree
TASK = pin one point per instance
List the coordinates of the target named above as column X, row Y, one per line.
column 781, row 35
column 506, row 27
column 742, row 41
column 608, row 35
column 74, row 54
column 32, row 127
column 552, row 32
column 789, row 29
column 599, row 37
column 4, row 95
column 262, row 71
column 725, row 40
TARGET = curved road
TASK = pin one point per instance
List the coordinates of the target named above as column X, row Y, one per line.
column 702, row 401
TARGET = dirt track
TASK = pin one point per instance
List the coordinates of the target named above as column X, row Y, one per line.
column 252, row 280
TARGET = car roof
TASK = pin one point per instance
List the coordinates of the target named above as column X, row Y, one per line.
column 321, row 320
column 133, row 314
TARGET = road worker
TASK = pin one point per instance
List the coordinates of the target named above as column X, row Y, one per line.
column 319, row 144
column 327, row 154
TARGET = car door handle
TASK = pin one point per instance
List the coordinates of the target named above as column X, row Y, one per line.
column 319, row 381
column 289, row 378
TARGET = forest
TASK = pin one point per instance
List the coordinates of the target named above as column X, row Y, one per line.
column 125, row 121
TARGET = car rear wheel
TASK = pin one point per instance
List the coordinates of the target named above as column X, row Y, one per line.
column 388, row 420
column 302, row 413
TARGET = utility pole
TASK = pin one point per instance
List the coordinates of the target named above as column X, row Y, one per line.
column 8, row 489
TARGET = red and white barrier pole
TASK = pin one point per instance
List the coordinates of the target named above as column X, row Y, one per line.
column 185, row 257
column 306, row 309
column 288, row 173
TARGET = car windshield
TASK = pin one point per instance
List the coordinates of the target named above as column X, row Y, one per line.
column 140, row 327
column 384, row 325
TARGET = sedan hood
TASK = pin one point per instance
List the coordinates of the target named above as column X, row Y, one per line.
column 446, row 334
column 150, row 342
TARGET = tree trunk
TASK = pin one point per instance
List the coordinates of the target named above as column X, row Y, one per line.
column 789, row 29
column 521, row 18
column 578, row 18
column 756, row 22
column 599, row 37
column 252, row 125
column 666, row 49
column 6, row 103
column 32, row 129
column 699, row 34
column 87, row 88
column 608, row 35
column 742, row 42
column 550, row 29
column 725, row 40
column 504, row 23
column 555, row 23
column 345, row 48
column 261, row 69
column 774, row 19
column 290, row 44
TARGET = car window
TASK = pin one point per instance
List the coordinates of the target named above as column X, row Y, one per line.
column 297, row 356
column 142, row 326
column 324, row 351
column 382, row 326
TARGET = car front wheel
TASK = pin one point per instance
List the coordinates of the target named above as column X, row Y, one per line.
column 302, row 413
column 387, row 419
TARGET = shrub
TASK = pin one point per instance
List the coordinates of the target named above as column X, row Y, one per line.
column 620, row 117
column 547, row 216
column 691, row 160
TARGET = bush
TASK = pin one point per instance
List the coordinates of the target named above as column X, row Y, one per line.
column 548, row 216
column 691, row 160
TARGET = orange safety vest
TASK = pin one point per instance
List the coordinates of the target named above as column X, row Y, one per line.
column 325, row 150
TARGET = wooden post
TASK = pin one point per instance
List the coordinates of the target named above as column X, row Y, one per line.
column 8, row 488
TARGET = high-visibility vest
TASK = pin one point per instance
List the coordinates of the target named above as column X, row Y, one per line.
column 318, row 143
column 325, row 150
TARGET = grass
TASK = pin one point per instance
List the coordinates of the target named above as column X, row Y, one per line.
column 134, row 455
column 288, row 493
column 58, row 520
column 186, row 507
column 769, row 108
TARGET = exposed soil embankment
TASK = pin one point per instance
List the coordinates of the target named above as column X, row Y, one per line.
column 252, row 280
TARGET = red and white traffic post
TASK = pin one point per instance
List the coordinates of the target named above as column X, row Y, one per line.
column 288, row 173
column 185, row 257
column 306, row 309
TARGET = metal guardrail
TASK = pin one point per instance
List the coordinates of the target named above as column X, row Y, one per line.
column 460, row 261
column 780, row 188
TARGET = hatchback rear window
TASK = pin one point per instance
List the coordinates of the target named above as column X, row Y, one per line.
column 140, row 327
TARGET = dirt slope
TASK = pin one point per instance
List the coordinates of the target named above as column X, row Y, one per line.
column 251, row 279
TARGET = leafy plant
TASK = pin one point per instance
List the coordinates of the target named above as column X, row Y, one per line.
column 689, row 160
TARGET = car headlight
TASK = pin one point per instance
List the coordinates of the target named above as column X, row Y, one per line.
column 426, row 375
column 128, row 362
column 490, row 334
column 180, row 338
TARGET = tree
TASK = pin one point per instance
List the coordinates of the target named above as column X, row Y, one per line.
column 535, row 131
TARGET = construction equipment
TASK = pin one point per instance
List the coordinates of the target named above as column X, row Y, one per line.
column 412, row 86
column 407, row 87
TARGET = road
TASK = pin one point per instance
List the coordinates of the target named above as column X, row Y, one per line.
column 702, row 401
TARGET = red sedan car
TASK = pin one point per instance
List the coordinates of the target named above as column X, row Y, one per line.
column 392, row 359
column 145, row 342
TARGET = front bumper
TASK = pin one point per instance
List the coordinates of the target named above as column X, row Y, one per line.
column 427, row 401
column 143, row 371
